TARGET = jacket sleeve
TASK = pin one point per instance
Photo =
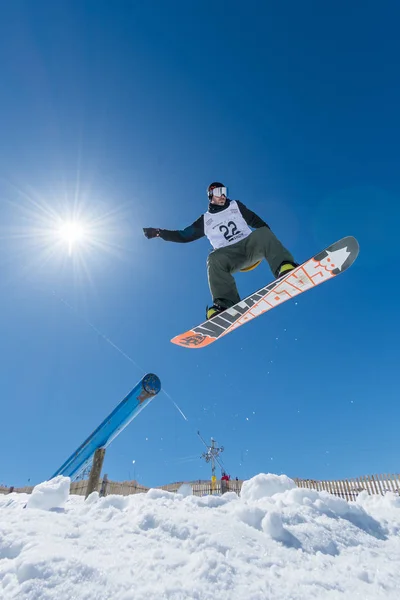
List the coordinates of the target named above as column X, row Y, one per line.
column 195, row 231
column 250, row 217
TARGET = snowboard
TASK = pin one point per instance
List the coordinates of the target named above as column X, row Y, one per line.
column 324, row 266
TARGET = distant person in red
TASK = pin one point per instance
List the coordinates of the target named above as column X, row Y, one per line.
column 225, row 477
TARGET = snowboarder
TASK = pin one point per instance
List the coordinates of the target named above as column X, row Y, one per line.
column 236, row 247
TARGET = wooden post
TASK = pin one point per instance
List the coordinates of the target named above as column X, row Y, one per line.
column 392, row 483
column 349, row 494
column 339, row 483
column 103, row 489
column 375, row 486
column 396, row 482
column 94, row 477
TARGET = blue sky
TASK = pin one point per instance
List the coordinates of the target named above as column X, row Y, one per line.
column 122, row 113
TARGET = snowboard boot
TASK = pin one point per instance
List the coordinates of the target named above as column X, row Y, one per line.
column 213, row 311
column 285, row 268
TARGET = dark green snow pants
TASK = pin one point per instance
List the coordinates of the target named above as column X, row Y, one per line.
column 221, row 263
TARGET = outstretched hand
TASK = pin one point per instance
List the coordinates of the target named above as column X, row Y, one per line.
column 151, row 232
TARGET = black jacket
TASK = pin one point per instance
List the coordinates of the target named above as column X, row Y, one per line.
column 195, row 231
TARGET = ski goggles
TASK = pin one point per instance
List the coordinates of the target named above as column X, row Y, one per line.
column 218, row 191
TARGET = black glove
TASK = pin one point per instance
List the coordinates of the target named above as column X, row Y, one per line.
column 151, row 232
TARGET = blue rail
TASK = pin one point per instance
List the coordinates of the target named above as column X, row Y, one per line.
column 117, row 420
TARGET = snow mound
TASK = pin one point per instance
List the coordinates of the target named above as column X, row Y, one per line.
column 50, row 494
column 265, row 485
column 277, row 542
column 273, row 526
column 185, row 490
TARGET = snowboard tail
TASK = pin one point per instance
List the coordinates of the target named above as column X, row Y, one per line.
column 320, row 268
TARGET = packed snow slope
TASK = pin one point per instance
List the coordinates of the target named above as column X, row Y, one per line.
column 275, row 541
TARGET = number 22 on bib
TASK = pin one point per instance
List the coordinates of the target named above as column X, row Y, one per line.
column 225, row 227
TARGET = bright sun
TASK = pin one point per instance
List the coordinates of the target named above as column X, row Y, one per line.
column 74, row 232
column 71, row 232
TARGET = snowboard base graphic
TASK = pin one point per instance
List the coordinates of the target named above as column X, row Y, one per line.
column 325, row 265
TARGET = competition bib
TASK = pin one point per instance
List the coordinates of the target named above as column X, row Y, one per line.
column 225, row 227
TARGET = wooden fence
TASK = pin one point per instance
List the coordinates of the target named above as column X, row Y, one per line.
column 348, row 489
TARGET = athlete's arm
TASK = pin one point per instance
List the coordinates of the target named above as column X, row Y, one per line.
column 195, row 231
column 250, row 217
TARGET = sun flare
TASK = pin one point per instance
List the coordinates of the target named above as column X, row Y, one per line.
column 68, row 230
column 71, row 232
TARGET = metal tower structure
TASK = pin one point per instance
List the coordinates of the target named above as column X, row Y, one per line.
column 212, row 455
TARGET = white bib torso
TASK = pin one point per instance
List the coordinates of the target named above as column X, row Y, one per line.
column 226, row 226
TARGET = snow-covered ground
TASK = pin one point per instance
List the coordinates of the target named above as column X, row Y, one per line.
column 274, row 542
